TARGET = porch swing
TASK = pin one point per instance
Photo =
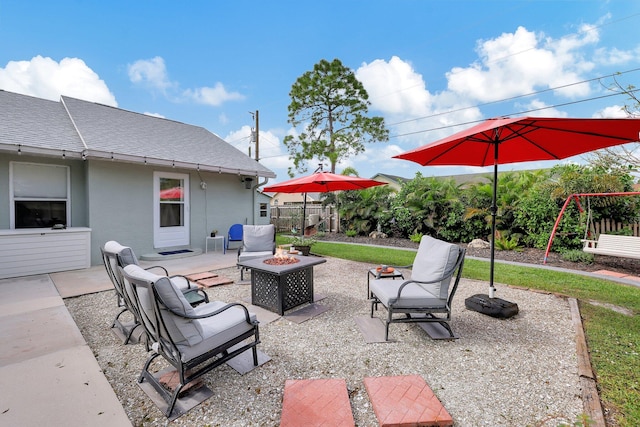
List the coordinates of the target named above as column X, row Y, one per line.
column 604, row 244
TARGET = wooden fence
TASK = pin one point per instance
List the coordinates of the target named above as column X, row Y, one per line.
column 608, row 226
column 287, row 217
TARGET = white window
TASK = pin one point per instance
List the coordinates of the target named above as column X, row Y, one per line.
column 39, row 195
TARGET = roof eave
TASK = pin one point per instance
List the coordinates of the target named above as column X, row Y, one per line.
column 125, row 158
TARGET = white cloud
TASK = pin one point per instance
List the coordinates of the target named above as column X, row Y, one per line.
column 45, row 78
column 394, row 87
column 151, row 73
column 539, row 108
column 401, row 94
column 611, row 112
column 158, row 115
column 272, row 153
column 522, row 62
column 216, row 95
column 615, row 56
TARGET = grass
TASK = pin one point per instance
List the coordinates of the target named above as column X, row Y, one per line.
column 613, row 338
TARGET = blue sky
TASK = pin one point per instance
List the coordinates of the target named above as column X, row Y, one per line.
column 427, row 65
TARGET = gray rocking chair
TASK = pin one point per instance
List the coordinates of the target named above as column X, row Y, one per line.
column 193, row 340
column 427, row 295
column 114, row 255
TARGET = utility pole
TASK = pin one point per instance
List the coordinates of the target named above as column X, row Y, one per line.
column 257, row 135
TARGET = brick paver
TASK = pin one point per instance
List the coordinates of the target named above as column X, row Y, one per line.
column 315, row 403
column 405, row 401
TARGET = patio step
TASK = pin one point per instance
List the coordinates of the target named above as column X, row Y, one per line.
column 319, row 402
column 405, row 401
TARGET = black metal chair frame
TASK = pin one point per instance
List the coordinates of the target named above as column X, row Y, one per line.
column 164, row 346
column 427, row 313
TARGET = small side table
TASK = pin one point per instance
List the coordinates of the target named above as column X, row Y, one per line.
column 215, row 243
column 373, row 272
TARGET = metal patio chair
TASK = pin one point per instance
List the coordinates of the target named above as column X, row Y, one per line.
column 192, row 340
column 427, row 295
column 257, row 241
column 234, row 234
column 113, row 255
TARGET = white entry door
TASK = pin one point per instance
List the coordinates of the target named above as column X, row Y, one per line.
column 171, row 209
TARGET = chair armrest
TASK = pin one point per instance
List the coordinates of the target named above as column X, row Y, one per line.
column 213, row 313
column 448, row 273
column 166, row 273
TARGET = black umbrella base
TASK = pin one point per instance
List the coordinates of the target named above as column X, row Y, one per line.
column 494, row 307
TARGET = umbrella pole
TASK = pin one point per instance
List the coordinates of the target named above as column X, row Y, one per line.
column 304, row 213
column 494, row 212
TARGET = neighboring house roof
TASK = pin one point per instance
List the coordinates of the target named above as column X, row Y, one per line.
column 394, row 181
column 296, row 197
column 87, row 129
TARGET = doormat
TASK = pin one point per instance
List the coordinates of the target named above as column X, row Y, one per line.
column 180, row 251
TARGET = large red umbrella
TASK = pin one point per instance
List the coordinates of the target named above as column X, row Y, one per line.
column 523, row 139
column 321, row 182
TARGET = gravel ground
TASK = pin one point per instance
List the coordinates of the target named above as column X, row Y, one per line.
column 521, row 371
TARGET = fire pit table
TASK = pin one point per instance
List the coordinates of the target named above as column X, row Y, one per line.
column 281, row 287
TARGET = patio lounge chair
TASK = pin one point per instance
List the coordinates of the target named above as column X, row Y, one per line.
column 234, row 234
column 427, row 295
column 258, row 241
column 193, row 340
column 114, row 255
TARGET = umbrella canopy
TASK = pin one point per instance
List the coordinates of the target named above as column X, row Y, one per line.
column 321, row 182
column 523, row 139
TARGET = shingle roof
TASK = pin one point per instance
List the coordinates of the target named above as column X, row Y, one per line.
column 102, row 131
column 37, row 124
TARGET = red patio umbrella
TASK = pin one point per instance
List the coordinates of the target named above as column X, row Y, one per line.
column 174, row 193
column 522, row 139
column 321, row 182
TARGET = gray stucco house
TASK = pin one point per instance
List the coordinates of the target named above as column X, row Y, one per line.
column 75, row 174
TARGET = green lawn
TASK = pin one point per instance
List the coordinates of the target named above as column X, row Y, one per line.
column 613, row 338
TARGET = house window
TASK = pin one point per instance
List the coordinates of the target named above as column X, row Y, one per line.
column 263, row 210
column 171, row 202
column 39, row 195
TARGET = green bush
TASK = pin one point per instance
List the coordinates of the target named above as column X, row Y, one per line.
column 504, row 243
column 416, row 237
column 351, row 233
column 576, row 255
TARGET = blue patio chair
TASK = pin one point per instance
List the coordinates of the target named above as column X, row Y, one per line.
column 235, row 234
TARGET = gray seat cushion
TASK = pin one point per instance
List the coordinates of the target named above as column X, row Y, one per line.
column 126, row 253
column 244, row 256
column 258, row 238
column 216, row 330
column 434, row 258
column 413, row 295
column 181, row 330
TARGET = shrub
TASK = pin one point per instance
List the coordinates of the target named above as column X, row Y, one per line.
column 511, row 243
column 416, row 237
column 351, row 233
column 576, row 255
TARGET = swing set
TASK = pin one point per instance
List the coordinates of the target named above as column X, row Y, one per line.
column 624, row 246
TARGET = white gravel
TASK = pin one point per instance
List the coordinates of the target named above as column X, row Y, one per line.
column 520, row 371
